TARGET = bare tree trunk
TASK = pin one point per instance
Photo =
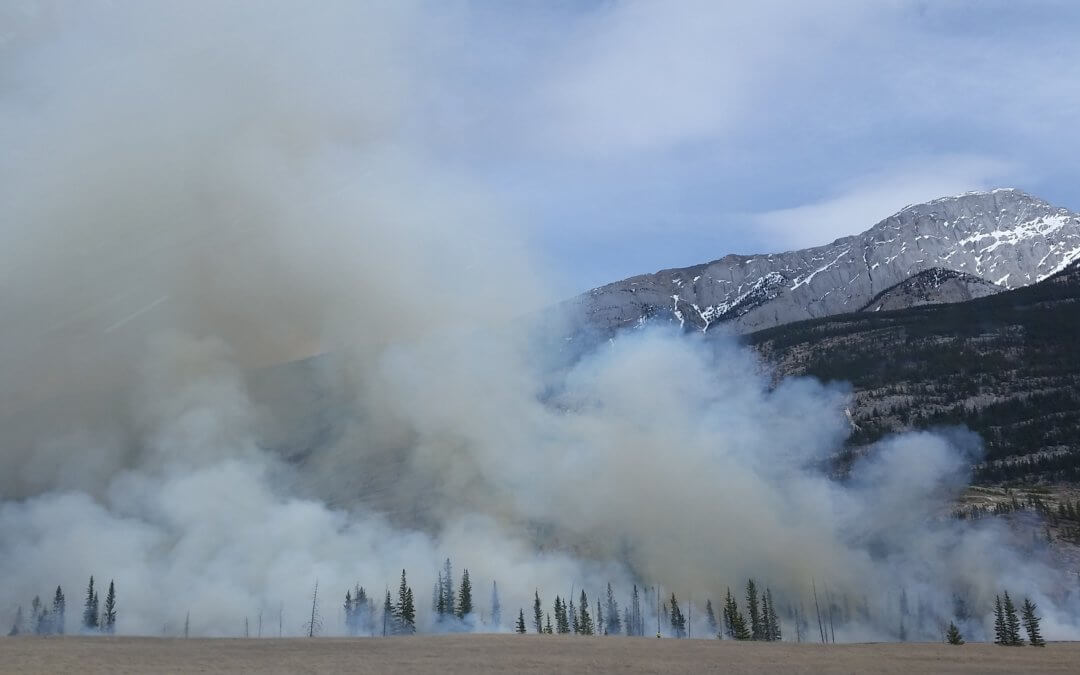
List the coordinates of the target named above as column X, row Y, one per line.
column 817, row 610
column 314, row 600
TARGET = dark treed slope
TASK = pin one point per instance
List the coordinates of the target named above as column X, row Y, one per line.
column 1006, row 365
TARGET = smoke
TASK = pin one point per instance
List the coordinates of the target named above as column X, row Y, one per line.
column 258, row 334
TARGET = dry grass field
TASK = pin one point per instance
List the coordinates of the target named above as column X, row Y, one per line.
column 514, row 653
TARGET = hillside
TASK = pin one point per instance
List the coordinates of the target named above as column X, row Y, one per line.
column 1005, row 365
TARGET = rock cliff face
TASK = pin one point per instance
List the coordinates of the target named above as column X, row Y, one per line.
column 1005, row 237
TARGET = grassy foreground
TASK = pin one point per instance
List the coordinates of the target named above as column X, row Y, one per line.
column 514, row 653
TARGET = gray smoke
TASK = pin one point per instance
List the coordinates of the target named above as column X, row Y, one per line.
column 200, row 194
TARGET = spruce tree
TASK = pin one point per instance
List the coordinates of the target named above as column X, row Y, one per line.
column 1012, row 621
column 521, row 622
column 17, row 624
column 562, row 622
column 1001, row 634
column 766, row 627
column 464, row 604
column 734, row 621
column 496, row 608
column 388, row 623
column 757, row 628
column 636, row 617
column 710, row 618
column 363, row 612
column 350, row 618
column 58, row 609
column 547, row 628
column 39, row 616
column 405, row 611
column 952, row 636
column 585, row 623
column 614, row 624
column 678, row 621
column 90, row 614
column 772, row 621
column 628, row 626
column 1031, row 624
column 108, row 618
column 447, row 589
column 574, row 624
column 601, row 628
column 538, row 613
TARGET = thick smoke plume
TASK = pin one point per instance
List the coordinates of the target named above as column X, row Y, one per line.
column 256, row 333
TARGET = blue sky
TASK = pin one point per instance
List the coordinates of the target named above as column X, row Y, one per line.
column 634, row 136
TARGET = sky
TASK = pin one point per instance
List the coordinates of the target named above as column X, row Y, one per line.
column 629, row 136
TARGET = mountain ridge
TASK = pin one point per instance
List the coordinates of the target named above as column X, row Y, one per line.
column 1004, row 236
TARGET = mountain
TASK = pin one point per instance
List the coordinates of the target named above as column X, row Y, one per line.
column 1005, row 237
column 1005, row 366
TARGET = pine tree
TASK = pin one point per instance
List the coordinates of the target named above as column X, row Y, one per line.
column 448, row 589
column 710, row 618
column 521, row 622
column 1001, row 634
column 585, row 623
column 363, row 611
column 39, row 617
column 757, row 628
column 772, row 621
column 405, row 611
column 58, row 609
column 1031, row 624
column 387, row 616
column 17, row 624
column 734, row 621
column 614, row 624
column 1012, row 621
column 678, row 621
column 952, row 636
column 350, row 617
column 628, row 626
column 496, row 608
column 464, row 604
column 766, row 627
column 574, row 624
column 636, row 617
column 547, row 628
column 90, row 614
column 601, row 628
column 538, row 614
column 109, row 617
column 562, row 622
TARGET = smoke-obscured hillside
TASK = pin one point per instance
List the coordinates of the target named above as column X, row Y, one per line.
column 1006, row 366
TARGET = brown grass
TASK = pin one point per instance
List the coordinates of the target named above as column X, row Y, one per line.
column 514, row 653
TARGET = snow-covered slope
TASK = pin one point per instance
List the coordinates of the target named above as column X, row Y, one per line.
column 1005, row 236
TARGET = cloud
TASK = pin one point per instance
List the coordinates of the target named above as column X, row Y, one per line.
column 865, row 201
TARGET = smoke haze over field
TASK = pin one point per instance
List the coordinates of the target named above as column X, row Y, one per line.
column 196, row 195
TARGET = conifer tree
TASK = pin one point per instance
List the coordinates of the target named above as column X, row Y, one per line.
column 387, row 616
column 58, row 609
column 562, row 622
column 90, row 612
column 1001, row 634
column 766, row 627
column 547, row 628
column 757, row 628
column 710, row 618
column 601, row 628
column 350, row 618
column 496, row 608
column 1031, row 624
column 363, row 611
column 1012, row 621
column 39, row 617
column 464, row 604
column 405, row 611
column 772, row 621
column 952, row 636
column 575, row 626
column 538, row 614
column 734, row 621
column 17, row 624
column 636, row 617
column 585, row 623
column 521, row 622
column 108, row 618
column 678, row 621
column 448, row 589
column 628, row 626
column 614, row 624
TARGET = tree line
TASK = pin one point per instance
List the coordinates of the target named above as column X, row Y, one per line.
column 45, row 619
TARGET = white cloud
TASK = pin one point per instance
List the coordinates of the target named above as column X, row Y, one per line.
column 862, row 202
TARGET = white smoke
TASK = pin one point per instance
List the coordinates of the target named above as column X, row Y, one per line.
column 223, row 191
